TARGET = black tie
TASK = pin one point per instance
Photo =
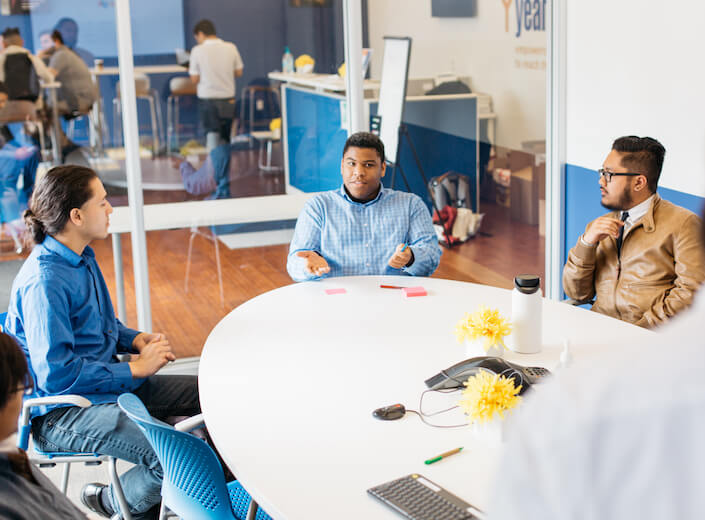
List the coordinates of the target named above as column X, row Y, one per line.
column 625, row 216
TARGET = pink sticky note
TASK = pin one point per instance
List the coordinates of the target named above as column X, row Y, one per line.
column 414, row 291
column 340, row 290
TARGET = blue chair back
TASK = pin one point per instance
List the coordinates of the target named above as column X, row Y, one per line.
column 194, row 485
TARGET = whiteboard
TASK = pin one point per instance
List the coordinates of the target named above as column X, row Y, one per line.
column 392, row 92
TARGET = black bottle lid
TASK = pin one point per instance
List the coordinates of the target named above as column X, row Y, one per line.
column 527, row 283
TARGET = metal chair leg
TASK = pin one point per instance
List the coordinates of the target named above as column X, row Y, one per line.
column 117, row 489
column 169, row 123
column 252, row 510
column 65, row 477
column 155, row 128
column 217, row 265
column 194, row 232
column 176, row 120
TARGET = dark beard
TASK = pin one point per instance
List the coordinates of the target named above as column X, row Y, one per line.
column 624, row 202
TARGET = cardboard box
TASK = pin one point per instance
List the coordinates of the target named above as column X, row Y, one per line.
column 524, row 197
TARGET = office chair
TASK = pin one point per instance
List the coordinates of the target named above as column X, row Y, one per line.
column 45, row 459
column 194, row 485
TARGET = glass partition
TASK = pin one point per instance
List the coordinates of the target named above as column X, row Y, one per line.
column 475, row 106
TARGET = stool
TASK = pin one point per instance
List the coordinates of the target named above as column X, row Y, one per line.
column 262, row 104
column 266, row 138
column 143, row 91
column 178, row 87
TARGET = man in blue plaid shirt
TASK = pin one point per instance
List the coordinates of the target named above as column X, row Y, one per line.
column 363, row 228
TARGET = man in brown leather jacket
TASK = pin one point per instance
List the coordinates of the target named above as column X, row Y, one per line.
column 643, row 262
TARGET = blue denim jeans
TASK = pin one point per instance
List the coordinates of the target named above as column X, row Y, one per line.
column 105, row 429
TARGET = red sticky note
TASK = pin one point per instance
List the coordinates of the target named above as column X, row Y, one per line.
column 336, row 291
column 414, row 291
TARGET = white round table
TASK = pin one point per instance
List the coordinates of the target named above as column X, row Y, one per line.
column 289, row 380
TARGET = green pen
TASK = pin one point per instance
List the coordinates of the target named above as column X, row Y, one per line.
column 443, row 455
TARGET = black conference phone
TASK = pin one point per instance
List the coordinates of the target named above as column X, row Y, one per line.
column 455, row 376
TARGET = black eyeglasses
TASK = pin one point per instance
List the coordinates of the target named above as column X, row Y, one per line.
column 608, row 175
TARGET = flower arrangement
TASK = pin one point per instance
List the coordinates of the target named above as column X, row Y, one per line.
column 487, row 395
column 484, row 324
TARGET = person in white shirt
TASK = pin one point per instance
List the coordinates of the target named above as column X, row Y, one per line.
column 615, row 438
column 213, row 66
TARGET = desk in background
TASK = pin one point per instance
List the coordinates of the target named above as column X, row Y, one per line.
column 446, row 130
column 288, row 382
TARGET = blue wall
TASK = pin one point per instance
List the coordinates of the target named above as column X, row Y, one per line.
column 582, row 202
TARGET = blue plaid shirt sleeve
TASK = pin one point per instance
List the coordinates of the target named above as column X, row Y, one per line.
column 307, row 237
column 422, row 241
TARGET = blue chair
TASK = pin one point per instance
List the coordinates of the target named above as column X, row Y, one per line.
column 194, row 486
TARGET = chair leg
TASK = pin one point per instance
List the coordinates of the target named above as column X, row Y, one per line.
column 169, row 123
column 117, row 122
column 194, row 232
column 117, row 489
column 176, row 121
column 155, row 128
column 160, row 118
column 65, row 477
column 217, row 265
column 252, row 510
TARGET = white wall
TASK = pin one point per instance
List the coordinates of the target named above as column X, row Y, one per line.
column 498, row 61
column 635, row 67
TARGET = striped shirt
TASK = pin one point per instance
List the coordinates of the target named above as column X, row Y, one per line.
column 360, row 238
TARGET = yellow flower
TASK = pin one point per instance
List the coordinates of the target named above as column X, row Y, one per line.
column 487, row 394
column 485, row 323
column 304, row 59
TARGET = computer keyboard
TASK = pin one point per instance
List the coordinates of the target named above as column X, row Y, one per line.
column 418, row 498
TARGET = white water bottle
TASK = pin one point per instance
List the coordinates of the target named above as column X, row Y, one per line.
column 287, row 61
column 527, row 316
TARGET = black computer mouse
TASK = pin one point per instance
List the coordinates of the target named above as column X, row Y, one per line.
column 389, row 413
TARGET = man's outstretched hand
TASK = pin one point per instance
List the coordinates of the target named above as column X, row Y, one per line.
column 315, row 263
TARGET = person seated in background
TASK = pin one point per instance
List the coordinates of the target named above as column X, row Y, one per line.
column 17, row 160
column 212, row 178
column 597, row 442
column 20, row 70
column 69, row 33
column 643, row 262
column 24, row 490
column 213, row 66
column 77, row 93
column 61, row 314
column 363, row 228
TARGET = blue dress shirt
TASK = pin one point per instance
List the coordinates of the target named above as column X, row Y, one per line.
column 61, row 315
column 359, row 238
